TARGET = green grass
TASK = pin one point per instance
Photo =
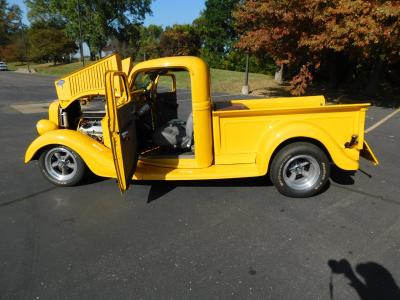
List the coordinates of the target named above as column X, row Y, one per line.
column 48, row 68
column 13, row 66
column 59, row 70
column 222, row 81
column 231, row 82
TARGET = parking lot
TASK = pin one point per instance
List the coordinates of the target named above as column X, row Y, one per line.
column 235, row 239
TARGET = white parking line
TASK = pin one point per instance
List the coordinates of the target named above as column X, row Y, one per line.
column 379, row 123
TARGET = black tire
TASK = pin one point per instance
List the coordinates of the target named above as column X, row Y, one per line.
column 62, row 166
column 300, row 170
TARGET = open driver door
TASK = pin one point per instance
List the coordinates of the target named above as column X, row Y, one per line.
column 122, row 127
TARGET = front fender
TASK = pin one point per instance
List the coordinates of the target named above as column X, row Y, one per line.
column 343, row 158
column 97, row 157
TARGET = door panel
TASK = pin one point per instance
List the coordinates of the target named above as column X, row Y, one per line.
column 122, row 127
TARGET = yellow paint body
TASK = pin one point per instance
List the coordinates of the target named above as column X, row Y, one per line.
column 238, row 140
column 252, row 135
column 88, row 81
column 44, row 126
column 201, row 104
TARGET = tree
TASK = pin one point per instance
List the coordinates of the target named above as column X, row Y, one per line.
column 180, row 40
column 150, row 38
column 11, row 52
column 42, row 11
column 217, row 31
column 49, row 42
column 216, row 25
column 10, row 17
column 12, row 45
column 129, row 45
column 311, row 35
column 100, row 20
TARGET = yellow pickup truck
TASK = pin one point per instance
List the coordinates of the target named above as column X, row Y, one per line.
column 135, row 131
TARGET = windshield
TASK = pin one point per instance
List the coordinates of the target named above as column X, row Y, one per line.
column 142, row 82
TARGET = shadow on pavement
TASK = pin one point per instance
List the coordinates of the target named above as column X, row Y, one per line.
column 20, row 199
column 92, row 179
column 388, row 98
column 385, row 97
column 273, row 92
column 377, row 282
column 160, row 188
column 342, row 177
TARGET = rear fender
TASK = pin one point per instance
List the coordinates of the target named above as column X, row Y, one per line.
column 97, row 157
column 274, row 137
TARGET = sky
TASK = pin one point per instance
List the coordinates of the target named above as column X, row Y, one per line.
column 165, row 12
column 169, row 12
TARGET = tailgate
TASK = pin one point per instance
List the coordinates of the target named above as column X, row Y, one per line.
column 367, row 153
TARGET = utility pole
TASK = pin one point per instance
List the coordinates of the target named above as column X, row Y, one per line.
column 80, row 32
column 21, row 25
column 245, row 87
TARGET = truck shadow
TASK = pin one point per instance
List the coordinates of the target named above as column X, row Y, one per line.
column 376, row 281
column 159, row 189
column 342, row 177
column 91, row 178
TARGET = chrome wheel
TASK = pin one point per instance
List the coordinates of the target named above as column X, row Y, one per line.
column 60, row 163
column 301, row 172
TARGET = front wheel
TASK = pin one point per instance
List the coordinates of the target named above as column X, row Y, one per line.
column 300, row 170
column 62, row 166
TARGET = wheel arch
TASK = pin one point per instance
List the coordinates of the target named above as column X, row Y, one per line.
column 299, row 140
column 39, row 152
column 279, row 137
column 95, row 155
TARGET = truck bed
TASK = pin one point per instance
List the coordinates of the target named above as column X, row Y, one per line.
column 281, row 103
column 243, row 129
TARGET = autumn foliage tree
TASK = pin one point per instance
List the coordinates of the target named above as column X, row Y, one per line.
column 180, row 40
column 10, row 31
column 311, row 35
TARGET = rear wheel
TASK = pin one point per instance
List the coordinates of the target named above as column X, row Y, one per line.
column 62, row 166
column 300, row 170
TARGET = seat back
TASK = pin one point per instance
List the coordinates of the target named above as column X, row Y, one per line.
column 189, row 131
column 189, row 125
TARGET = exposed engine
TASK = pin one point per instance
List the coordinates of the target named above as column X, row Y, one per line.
column 90, row 124
column 91, row 128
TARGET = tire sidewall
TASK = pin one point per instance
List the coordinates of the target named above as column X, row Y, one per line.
column 294, row 150
column 79, row 175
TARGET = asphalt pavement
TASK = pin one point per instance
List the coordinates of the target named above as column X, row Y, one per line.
column 237, row 239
